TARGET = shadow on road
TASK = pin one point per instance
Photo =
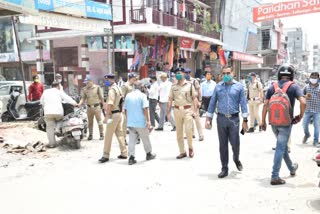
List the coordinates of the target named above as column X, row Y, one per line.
column 314, row 204
column 232, row 175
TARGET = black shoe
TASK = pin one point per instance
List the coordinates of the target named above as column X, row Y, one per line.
column 132, row 160
column 260, row 128
column 122, row 157
column 90, row 137
column 305, row 138
column 239, row 165
column 159, row 129
column 250, row 130
column 125, row 142
column 295, row 167
column 103, row 160
column 150, row 156
column 277, row 181
column 101, row 137
column 139, row 140
column 173, row 129
column 223, row 173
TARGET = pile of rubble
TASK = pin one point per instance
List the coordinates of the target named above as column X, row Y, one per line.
column 22, row 138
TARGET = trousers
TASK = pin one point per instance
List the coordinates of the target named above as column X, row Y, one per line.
column 134, row 135
column 115, row 127
column 254, row 112
column 184, row 120
column 163, row 114
column 95, row 112
column 51, row 123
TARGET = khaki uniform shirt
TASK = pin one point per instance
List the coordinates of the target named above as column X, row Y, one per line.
column 114, row 97
column 92, row 95
column 196, row 85
column 182, row 94
column 126, row 89
column 254, row 89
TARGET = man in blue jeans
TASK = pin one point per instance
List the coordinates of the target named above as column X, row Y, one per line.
column 228, row 96
column 312, row 95
column 282, row 133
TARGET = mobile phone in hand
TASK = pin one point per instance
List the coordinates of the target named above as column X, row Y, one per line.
column 242, row 132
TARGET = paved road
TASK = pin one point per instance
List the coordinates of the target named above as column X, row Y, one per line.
column 68, row 181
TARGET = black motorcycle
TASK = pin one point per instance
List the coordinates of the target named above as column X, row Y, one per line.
column 32, row 110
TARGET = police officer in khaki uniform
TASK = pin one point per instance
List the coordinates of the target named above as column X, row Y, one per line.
column 92, row 95
column 127, row 88
column 185, row 107
column 198, row 95
column 113, row 120
column 255, row 98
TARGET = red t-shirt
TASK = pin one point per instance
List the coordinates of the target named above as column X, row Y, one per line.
column 35, row 91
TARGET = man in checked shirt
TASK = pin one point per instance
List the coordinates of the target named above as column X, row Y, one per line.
column 312, row 94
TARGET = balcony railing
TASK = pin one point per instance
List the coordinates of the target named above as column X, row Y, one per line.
column 165, row 19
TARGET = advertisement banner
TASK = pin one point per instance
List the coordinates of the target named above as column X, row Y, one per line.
column 86, row 8
column 204, row 47
column 247, row 58
column 123, row 42
column 186, row 43
column 285, row 9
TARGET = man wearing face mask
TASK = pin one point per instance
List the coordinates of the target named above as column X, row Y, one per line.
column 207, row 88
column 127, row 88
column 228, row 96
column 183, row 94
column 93, row 96
column 58, row 78
column 195, row 83
column 35, row 89
column 255, row 98
column 312, row 94
column 113, row 120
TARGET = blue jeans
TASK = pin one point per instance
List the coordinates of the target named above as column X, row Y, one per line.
column 316, row 123
column 282, row 134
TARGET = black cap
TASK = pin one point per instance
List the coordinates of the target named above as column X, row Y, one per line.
column 253, row 74
column 153, row 77
column 179, row 69
column 132, row 75
column 109, row 76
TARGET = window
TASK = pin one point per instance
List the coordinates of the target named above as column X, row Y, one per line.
column 4, row 90
column 265, row 39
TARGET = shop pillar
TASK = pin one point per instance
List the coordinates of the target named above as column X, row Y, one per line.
column 39, row 60
column 84, row 57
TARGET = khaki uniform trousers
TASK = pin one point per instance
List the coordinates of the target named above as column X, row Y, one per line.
column 198, row 125
column 51, row 123
column 183, row 118
column 95, row 112
column 115, row 127
column 124, row 126
column 254, row 112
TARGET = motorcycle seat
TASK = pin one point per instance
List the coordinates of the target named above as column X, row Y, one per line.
column 32, row 104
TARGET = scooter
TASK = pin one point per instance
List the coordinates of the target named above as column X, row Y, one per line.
column 73, row 127
column 32, row 110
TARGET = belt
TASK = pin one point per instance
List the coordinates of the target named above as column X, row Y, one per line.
column 115, row 111
column 183, row 107
column 229, row 115
column 257, row 98
column 94, row 105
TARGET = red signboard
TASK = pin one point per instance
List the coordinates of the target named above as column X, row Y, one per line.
column 204, row 47
column 186, row 43
column 285, row 9
column 247, row 58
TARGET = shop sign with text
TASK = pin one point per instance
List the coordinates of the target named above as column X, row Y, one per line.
column 247, row 58
column 285, row 9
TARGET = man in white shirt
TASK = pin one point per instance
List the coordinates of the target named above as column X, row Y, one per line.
column 207, row 88
column 51, row 101
column 165, row 87
column 153, row 99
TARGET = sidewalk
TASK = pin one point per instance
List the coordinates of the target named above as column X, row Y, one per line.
column 70, row 181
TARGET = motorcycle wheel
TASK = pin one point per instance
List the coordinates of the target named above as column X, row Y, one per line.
column 77, row 144
column 6, row 117
column 41, row 124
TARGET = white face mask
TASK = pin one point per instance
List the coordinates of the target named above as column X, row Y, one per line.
column 313, row 81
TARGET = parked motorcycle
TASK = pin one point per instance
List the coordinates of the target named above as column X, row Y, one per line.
column 73, row 127
column 32, row 109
